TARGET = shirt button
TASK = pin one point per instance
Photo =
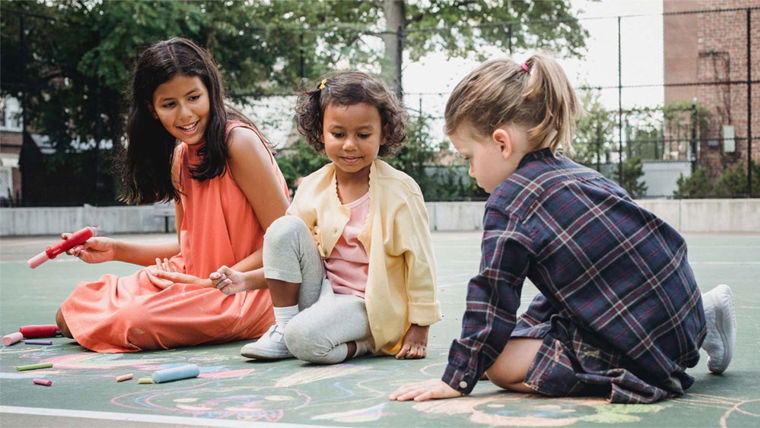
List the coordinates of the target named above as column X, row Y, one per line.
column 463, row 384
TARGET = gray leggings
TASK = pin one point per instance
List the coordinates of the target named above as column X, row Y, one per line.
column 326, row 321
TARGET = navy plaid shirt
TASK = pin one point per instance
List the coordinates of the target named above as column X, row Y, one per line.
column 601, row 262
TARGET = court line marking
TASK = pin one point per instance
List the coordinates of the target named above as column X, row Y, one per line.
column 136, row 417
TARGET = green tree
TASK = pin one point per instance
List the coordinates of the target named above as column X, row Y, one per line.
column 76, row 57
column 595, row 133
column 464, row 28
column 633, row 170
column 733, row 180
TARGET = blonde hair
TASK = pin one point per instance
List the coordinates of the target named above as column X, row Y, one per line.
column 535, row 95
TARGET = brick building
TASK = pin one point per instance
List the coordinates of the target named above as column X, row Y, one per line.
column 710, row 48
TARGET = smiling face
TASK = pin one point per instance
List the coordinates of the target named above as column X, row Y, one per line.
column 181, row 104
column 352, row 136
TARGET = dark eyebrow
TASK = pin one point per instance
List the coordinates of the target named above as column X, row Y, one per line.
column 188, row 93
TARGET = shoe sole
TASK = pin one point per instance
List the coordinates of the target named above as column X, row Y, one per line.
column 725, row 318
column 262, row 355
column 265, row 357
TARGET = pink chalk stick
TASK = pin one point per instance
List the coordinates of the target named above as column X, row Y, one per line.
column 38, row 260
column 43, row 382
column 10, row 339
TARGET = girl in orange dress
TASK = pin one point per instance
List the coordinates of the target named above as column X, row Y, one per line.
column 227, row 190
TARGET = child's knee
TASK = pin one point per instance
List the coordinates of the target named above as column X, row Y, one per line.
column 304, row 342
column 283, row 228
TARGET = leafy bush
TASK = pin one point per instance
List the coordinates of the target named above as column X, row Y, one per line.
column 698, row 184
column 732, row 182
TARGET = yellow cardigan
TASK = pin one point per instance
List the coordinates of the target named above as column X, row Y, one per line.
column 401, row 279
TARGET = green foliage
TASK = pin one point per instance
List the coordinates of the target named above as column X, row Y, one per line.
column 594, row 133
column 698, row 184
column 547, row 25
column 633, row 170
column 299, row 160
column 77, row 56
column 417, row 153
column 733, row 180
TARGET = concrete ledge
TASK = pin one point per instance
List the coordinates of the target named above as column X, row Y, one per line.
column 686, row 215
column 55, row 220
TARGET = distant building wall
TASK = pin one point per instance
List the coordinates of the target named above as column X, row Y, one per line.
column 707, row 48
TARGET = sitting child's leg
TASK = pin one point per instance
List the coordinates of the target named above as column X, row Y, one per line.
column 294, row 272
column 511, row 366
column 721, row 327
column 321, row 333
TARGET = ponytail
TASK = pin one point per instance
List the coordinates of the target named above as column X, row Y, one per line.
column 550, row 93
column 536, row 95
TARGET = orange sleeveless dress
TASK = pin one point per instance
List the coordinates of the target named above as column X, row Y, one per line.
column 130, row 314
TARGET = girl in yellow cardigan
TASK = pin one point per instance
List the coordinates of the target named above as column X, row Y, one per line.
column 350, row 269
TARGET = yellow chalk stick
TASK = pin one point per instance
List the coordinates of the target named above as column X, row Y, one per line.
column 145, row 380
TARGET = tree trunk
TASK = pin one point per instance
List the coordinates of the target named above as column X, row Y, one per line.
column 395, row 23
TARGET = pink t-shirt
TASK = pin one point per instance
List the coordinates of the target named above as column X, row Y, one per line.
column 348, row 263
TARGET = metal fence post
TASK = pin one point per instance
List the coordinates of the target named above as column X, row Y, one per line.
column 620, row 107
column 749, row 103
column 693, row 140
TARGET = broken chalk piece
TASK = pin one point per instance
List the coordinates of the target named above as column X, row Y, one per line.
column 145, row 380
column 10, row 339
column 43, row 382
column 176, row 373
column 35, row 366
column 122, row 378
column 38, row 342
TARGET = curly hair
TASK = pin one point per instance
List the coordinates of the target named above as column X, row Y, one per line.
column 346, row 89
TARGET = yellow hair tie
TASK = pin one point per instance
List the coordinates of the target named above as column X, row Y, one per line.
column 323, row 84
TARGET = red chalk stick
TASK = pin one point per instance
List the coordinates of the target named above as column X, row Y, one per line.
column 43, row 382
column 32, row 331
column 76, row 238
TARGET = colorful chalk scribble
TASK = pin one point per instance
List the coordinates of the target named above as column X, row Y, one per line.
column 246, row 402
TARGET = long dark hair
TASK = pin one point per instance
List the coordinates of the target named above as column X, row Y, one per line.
column 146, row 168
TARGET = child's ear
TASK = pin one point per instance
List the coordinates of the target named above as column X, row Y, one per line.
column 502, row 138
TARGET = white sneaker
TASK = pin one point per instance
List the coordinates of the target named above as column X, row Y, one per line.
column 721, row 327
column 270, row 346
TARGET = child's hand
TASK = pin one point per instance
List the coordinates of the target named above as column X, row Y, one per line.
column 425, row 390
column 94, row 250
column 165, row 275
column 414, row 344
column 228, row 281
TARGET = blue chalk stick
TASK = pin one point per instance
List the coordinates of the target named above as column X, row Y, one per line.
column 176, row 373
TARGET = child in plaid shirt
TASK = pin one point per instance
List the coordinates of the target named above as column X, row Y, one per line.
column 619, row 313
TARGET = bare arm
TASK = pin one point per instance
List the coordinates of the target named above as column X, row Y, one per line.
column 102, row 249
column 252, row 168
